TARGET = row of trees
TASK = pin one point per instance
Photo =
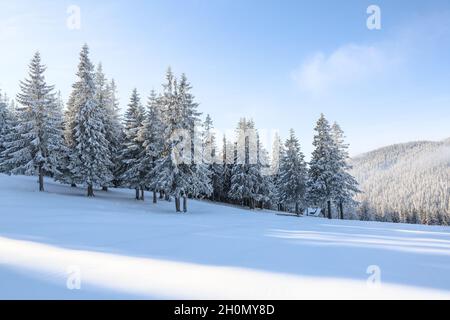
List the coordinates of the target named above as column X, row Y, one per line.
column 164, row 147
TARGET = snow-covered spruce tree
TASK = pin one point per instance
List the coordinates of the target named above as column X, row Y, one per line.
column 277, row 155
column 293, row 175
column 347, row 186
column 246, row 178
column 114, row 130
column 67, row 175
column 210, row 158
column 90, row 158
column 37, row 133
column 227, row 156
column 8, row 134
column 176, row 171
column 196, row 172
column 6, row 125
column 150, row 136
column 133, row 175
column 323, row 167
column 107, row 101
column 58, row 150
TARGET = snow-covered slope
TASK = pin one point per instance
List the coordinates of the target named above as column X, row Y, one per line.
column 406, row 182
column 122, row 248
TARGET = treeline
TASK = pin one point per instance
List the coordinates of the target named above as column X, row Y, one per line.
column 164, row 147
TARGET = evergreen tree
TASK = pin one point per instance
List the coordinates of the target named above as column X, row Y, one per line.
column 291, row 184
column 67, row 175
column 107, row 101
column 179, row 172
column 114, row 129
column 347, row 186
column 246, row 178
column 277, row 155
column 210, row 158
column 29, row 147
column 323, row 167
column 133, row 176
column 150, row 135
column 6, row 125
column 58, row 149
column 223, row 185
column 90, row 157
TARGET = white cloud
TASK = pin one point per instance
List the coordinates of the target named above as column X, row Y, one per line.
column 346, row 65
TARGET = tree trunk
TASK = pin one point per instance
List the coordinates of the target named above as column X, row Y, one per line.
column 142, row 194
column 329, row 209
column 105, row 189
column 155, row 198
column 184, row 204
column 41, row 179
column 90, row 191
column 177, row 204
column 73, row 185
column 341, row 210
column 297, row 209
column 251, row 204
column 137, row 193
column 161, row 195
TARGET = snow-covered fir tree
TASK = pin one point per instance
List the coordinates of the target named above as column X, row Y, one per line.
column 347, row 186
column 107, row 101
column 90, row 162
column 6, row 125
column 323, row 167
column 293, row 175
column 211, row 158
column 199, row 171
column 30, row 146
column 150, row 136
column 277, row 155
column 114, row 130
column 177, row 172
column 133, row 175
column 223, row 185
column 246, row 178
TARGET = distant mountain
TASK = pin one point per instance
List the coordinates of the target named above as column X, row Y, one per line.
column 407, row 182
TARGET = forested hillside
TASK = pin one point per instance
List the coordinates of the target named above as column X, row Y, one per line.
column 405, row 183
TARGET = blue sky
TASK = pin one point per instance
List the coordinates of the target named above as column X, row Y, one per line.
column 281, row 63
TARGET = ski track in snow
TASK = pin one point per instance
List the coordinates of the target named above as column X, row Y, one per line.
column 130, row 249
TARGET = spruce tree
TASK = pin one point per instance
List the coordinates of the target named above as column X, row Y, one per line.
column 150, row 135
column 246, row 178
column 90, row 156
column 178, row 172
column 30, row 145
column 114, row 130
column 291, row 184
column 210, row 158
column 323, row 167
column 132, row 151
column 107, row 101
column 6, row 125
column 346, row 184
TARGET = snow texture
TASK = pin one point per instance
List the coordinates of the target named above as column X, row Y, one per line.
column 133, row 249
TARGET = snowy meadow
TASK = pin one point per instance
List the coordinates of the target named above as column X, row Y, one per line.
column 60, row 244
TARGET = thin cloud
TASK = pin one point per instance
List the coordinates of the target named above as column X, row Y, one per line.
column 352, row 63
column 346, row 65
